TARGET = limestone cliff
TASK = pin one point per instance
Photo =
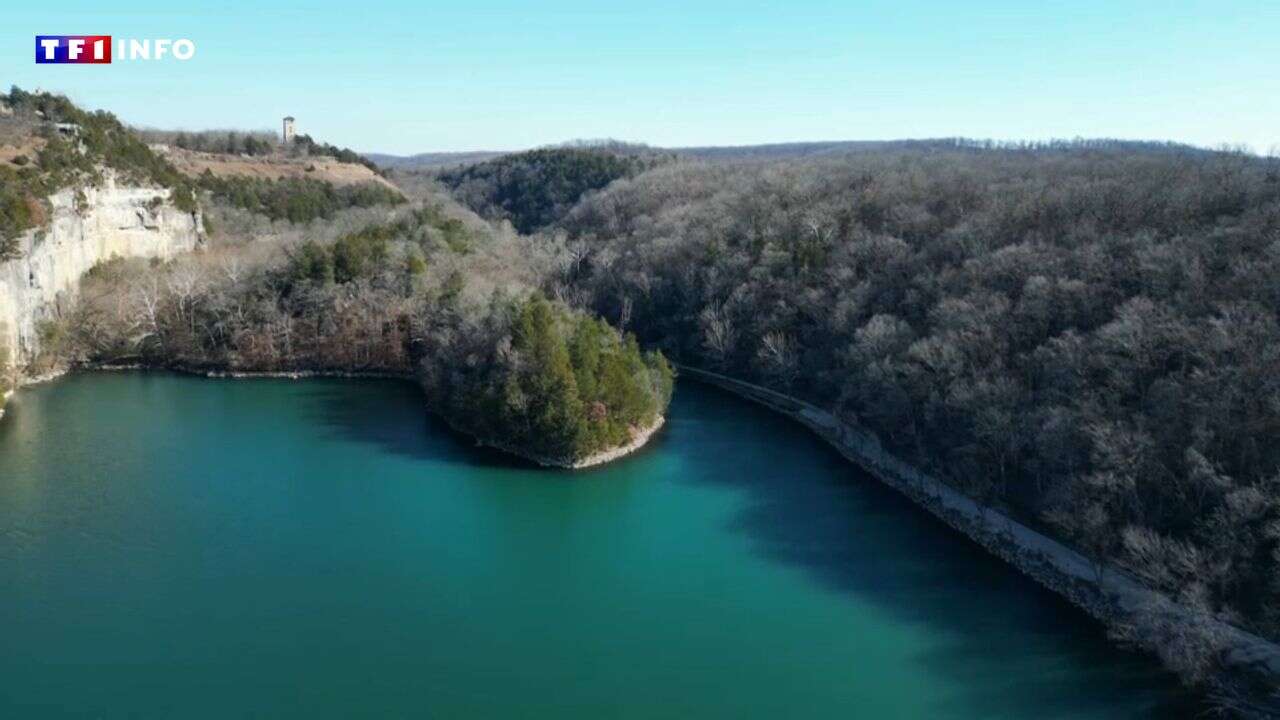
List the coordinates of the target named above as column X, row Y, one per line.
column 107, row 221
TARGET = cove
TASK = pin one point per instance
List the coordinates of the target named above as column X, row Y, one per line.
column 184, row 547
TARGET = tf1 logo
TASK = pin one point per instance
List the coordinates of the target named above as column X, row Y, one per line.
column 96, row 49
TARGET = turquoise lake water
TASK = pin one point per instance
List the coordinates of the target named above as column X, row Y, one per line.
column 186, row 548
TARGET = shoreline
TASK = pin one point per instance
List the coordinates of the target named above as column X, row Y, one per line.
column 1111, row 595
column 23, row 381
column 638, row 440
column 249, row 374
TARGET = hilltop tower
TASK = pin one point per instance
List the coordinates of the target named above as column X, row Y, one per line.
column 288, row 130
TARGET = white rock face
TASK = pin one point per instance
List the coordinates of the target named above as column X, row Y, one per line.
column 115, row 221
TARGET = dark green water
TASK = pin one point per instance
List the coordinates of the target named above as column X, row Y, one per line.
column 176, row 547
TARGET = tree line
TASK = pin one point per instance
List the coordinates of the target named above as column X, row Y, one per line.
column 226, row 142
column 1084, row 335
column 298, row 200
column 253, row 143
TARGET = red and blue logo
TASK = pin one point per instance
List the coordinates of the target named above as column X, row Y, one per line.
column 73, row 49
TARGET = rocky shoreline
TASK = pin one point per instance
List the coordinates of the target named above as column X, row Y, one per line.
column 639, row 438
column 25, row 381
column 1107, row 593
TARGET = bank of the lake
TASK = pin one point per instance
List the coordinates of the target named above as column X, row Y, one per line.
column 640, row 436
column 176, row 546
column 1108, row 593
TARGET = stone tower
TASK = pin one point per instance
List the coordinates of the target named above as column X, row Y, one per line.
column 288, row 130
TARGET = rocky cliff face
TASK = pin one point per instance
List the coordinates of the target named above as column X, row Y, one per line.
column 109, row 221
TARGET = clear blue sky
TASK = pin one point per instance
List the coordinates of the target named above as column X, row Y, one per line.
column 417, row 76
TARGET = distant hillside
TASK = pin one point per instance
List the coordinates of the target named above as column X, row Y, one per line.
column 780, row 151
column 443, row 160
column 433, row 160
column 798, row 150
column 536, row 188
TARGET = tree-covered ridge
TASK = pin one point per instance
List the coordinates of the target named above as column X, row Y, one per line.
column 534, row 189
column 71, row 158
column 226, row 142
column 254, row 143
column 553, row 383
column 298, row 200
column 1085, row 336
column 307, row 145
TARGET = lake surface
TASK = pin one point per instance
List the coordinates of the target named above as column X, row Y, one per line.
column 180, row 547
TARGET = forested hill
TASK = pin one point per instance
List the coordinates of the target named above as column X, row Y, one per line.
column 1085, row 334
column 428, row 160
column 534, row 189
column 839, row 148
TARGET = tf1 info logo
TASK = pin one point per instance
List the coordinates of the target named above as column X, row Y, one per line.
column 96, row 49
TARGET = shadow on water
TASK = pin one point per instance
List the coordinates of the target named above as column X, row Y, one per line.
column 807, row 507
column 393, row 415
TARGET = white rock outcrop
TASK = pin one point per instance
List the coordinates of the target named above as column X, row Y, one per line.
column 112, row 221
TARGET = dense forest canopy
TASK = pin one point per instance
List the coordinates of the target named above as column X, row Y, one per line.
column 1087, row 335
column 539, row 376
